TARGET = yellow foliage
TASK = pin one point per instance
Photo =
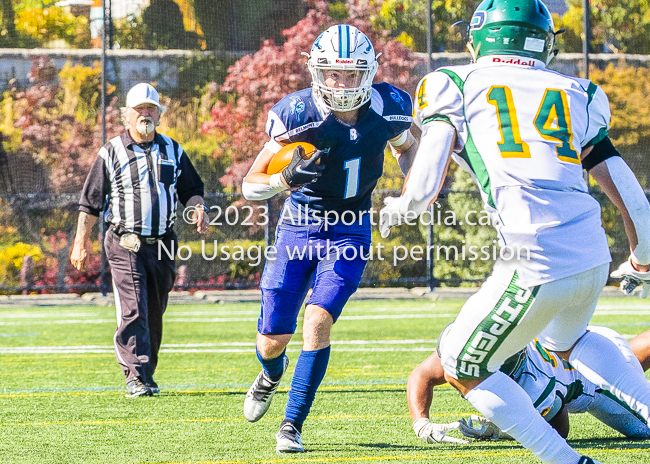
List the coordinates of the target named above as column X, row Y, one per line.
column 406, row 40
column 54, row 23
column 11, row 259
column 7, row 119
column 81, row 90
column 7, row 230
column 628, row 89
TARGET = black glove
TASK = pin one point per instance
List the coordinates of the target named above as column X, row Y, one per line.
column 301, row 170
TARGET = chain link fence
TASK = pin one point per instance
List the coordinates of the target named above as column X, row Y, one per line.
column 231, row 255
column 202, row 56
column 453, row 245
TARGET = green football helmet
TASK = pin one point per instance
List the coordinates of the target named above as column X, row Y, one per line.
column 512, row 27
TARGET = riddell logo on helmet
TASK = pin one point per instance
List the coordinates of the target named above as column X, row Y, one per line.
column 345, row 61
column 513, row 61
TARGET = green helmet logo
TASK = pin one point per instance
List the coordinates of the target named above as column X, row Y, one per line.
column 512, row 27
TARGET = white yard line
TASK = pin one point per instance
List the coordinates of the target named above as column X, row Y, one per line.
column 226, row 347
column 180, row 313
column 171, row 318
column 56, row 321
column 251, row 316
column 59, row 315
column 640, row 306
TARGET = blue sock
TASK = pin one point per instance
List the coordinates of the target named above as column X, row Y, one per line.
column 309, row 373
column 273, row 366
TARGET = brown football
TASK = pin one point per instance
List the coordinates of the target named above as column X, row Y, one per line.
column 282, row 158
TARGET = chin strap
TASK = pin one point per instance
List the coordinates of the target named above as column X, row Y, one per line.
column 472, row 51
column 553, row 54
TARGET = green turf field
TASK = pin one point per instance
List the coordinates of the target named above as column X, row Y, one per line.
column 62, row 392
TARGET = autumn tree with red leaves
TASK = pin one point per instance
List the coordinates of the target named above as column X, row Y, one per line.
column 51, row 133
column 256, row 82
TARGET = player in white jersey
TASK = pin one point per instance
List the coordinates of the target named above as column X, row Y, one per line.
column 556, row 388
column 522, row 131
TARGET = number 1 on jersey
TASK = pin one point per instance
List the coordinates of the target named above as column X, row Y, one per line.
column 352, row 179
column 511, row 145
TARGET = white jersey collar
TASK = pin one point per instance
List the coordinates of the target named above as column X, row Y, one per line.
column 515, row 60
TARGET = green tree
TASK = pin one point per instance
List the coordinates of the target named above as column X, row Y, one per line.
column 628, row 89
column 164, row 27
column 407, row 20
column 8, row 18
column 10, row 37
column 241, row 25
column 616, row 26
column 54, row 23
column 128, row 33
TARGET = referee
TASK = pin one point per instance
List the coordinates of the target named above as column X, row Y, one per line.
column 141, row 175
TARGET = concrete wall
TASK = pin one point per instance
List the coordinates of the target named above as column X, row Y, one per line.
column 125, row 67
column 571, row 64
column 128, row 67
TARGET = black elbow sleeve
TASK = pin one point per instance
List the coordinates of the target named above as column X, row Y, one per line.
column 601, row 151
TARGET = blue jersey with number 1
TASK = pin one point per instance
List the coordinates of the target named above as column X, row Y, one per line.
column 356, row 153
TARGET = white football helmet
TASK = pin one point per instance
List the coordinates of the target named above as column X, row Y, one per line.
column 342, row 48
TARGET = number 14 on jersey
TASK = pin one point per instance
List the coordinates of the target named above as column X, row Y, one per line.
column 552, row 122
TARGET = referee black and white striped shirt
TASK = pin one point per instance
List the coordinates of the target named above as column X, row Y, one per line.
column 143, row 182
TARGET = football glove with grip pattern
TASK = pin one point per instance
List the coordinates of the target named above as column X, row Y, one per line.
column 302, row 170
column 480, row 428
column 632, row 278
column 436, row 433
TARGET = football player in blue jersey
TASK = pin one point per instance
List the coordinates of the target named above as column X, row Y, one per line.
column 323, row 234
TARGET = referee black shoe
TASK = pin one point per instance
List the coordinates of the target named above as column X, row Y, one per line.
column 135, row 388
column 259, row 396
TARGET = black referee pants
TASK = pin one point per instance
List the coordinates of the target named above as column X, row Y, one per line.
column 141, row 286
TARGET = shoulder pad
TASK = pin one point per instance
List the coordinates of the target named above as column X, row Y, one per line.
column 296, row 109
column 389, row 100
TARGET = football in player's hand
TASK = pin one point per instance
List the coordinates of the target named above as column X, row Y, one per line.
column 282, row 158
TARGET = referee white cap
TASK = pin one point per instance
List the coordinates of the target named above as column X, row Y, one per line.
column 142, row 93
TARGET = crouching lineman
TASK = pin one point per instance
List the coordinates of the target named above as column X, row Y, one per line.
column 554, row 386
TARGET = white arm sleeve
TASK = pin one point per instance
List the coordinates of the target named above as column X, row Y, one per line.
column 254, row 191
column 636, row 203
column 427, row 173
